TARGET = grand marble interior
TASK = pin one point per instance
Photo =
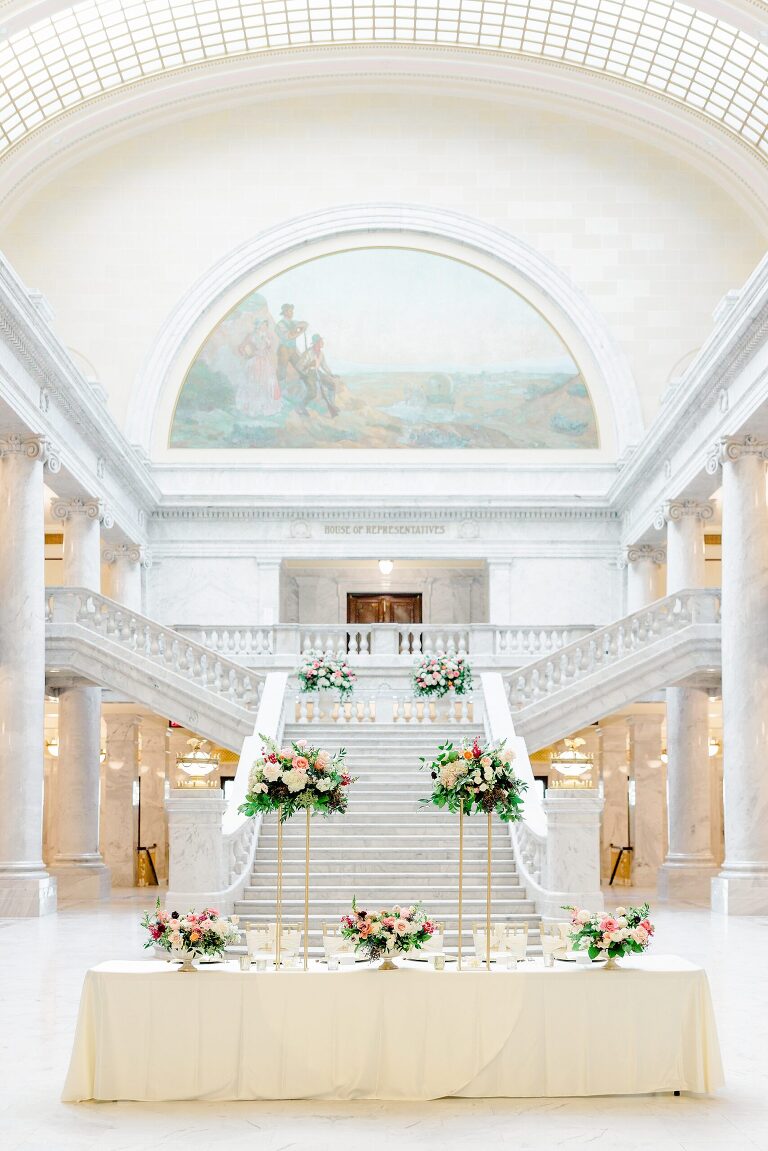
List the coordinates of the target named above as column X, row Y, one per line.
column 43, row 960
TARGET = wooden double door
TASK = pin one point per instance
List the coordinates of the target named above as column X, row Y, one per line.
column 402, row 607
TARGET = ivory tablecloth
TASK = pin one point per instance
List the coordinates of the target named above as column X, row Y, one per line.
column 146, row 1032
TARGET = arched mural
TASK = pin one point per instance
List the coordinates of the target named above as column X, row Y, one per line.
column 384, row 348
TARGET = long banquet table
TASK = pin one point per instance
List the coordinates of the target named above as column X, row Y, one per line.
column 145, row 1032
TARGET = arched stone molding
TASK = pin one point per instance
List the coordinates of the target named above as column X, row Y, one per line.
column 605, row 368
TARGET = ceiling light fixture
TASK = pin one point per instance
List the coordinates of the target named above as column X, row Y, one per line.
column 385, row 566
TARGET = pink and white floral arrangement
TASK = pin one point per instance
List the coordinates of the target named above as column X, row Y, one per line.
column 440, row 674
column 319, row 672
column 627, row 931
column 296, row 778
column 382, row 934
column 476, row 777
column 196, row 933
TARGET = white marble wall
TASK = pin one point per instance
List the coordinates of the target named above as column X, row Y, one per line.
column 119, row 796
column 319, row 595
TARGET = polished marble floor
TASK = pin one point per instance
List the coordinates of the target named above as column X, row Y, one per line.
column 41, row 970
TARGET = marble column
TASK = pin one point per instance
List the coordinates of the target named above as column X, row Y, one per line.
column 120, row 795
column 741, row 888
column 124, row 566
column 613, row 765
column 645, row 577
column 78, row 865
column 647, row 799
column 26, row 888
column 688, row 869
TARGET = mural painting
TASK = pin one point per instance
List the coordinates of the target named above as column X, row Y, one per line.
column 384, row 348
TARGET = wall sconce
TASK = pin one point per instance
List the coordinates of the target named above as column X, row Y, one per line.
column 385, row 567
column 52, row 747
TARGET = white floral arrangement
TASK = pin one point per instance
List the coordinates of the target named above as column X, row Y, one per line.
column 319, row 672
column 297, row 777
column 204, row 933
column 440, row 674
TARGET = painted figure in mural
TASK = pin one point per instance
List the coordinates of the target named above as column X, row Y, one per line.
column 288, row 331
column 259, row 394
column 316, row 373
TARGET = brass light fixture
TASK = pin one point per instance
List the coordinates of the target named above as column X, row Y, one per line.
column 198, row 765
column 573, row 763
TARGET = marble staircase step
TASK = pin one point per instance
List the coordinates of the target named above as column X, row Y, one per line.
column 369, row 893
column 367, row 853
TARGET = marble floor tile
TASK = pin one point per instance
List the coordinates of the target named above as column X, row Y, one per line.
column 42, row 963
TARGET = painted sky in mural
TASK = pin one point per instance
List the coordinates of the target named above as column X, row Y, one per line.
column 384, row 348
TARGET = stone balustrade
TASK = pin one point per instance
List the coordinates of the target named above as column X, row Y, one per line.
column 383, row 641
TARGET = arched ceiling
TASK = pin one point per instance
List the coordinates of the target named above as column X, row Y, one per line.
column 68, row 57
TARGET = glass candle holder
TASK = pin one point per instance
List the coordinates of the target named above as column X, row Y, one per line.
column 261, row 963
column 438, row 962
column 245, row 962
column 333, row 963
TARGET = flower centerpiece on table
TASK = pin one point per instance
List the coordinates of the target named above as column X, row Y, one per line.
column 383, row 934
column 627, row 931
column 319, row 672
column 476, row 777
column 437, row 675
column 203, row 934
column 295, row 778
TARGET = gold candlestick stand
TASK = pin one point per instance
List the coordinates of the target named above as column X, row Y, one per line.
column 306, row 896
column 279, row 909
column 488, row 899
column 461, row 875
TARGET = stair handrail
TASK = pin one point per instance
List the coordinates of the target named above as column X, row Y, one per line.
column 240, row 832
column 152, row 640
column 609, row 644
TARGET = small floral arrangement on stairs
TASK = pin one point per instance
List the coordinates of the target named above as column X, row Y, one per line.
column 319, row 672
column 440, row 674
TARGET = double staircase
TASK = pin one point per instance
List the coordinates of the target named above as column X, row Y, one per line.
column 388, row 848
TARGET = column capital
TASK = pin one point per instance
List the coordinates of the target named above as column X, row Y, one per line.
column 91, row 509
column 729, row 449
column 672, row 511
column 33, row 447
column 634, row 553
column 132, row 553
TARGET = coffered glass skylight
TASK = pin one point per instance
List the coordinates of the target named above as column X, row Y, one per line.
column 101, row 45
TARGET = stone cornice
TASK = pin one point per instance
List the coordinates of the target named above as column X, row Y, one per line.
column 741, row 331
column 48, row 363
column 384, row 515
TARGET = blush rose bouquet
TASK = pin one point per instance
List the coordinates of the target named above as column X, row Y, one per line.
column 297, row 777
column 393, row 931
column 628, row 931
column 203, row 933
